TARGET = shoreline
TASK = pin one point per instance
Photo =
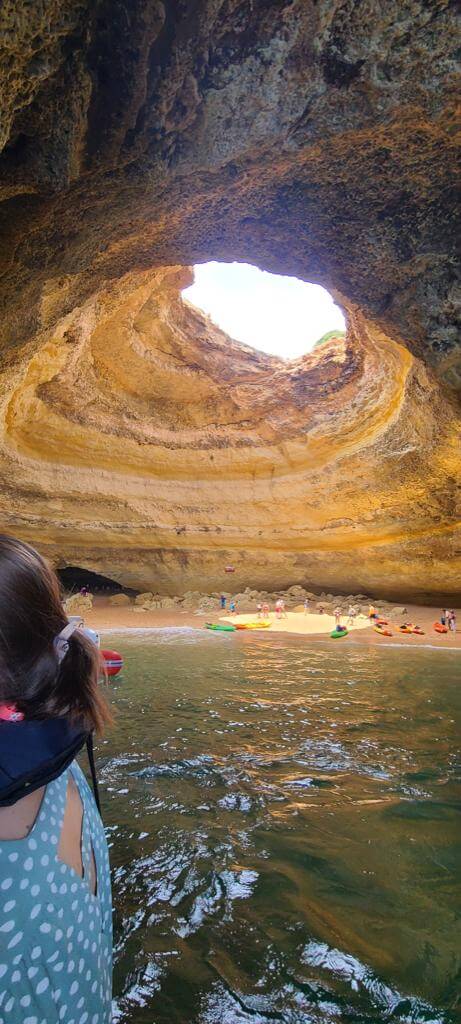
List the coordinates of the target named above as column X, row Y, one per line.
column 317, row 638
column 107, row 618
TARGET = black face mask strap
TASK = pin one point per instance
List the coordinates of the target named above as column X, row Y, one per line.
column 94, row 779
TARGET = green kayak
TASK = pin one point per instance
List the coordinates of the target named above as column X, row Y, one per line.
column 338, row 632
column 222, row 627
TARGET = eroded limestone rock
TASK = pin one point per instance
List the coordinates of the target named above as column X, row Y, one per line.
column 120, row 600
column 77, row 604
column 312, row 138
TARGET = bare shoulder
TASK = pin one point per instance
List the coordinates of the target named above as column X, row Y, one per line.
column 16, row 821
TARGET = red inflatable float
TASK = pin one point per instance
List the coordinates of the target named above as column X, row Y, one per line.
column 113, row 661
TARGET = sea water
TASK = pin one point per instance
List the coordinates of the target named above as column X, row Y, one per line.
column 284, row 830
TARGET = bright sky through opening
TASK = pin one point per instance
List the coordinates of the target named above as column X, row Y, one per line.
column 278, row 315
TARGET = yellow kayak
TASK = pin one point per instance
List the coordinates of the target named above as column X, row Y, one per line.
column 252, row 625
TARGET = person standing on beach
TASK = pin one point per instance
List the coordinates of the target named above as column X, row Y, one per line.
column 265, row 609
column 306, row 606
column 337, row 615
column 232, row 606
column 223, row 601
column 55, row 911
column 283, row 611
column 452, row 622
column 259, row 609
column 351, row 615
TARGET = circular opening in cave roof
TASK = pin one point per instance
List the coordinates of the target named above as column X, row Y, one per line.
column 281, row 316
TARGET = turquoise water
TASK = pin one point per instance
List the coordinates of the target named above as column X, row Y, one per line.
column 285, row 832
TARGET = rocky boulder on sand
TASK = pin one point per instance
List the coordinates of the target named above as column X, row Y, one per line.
column 120, row 600
column 192, row 598
column 154, row 603
column 77, row 604
column 208, row 603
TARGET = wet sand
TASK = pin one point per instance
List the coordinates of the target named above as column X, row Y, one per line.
column 105, row 616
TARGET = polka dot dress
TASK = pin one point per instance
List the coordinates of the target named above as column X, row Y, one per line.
column 55, row 935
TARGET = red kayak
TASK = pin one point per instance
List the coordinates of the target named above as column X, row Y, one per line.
column 113, row 661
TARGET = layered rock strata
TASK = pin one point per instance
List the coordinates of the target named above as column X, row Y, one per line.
column 141, row 442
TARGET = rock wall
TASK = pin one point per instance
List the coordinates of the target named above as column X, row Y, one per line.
column 310, row 138
column 141, row 442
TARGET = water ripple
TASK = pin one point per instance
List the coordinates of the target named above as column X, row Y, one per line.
column 284, row 833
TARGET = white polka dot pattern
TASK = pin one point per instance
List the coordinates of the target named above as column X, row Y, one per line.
column 43, row 904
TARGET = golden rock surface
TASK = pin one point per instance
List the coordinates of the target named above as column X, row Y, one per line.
column 140, row 441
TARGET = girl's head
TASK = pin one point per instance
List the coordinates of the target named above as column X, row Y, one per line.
column 31, row 617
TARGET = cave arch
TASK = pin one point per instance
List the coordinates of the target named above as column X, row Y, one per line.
column 74, row 577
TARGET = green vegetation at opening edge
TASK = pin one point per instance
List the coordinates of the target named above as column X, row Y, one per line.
column 328, row 336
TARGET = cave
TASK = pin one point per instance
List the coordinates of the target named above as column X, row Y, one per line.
column 310, row 141
column 74, row 577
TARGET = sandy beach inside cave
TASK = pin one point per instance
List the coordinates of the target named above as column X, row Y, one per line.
column 105, row 617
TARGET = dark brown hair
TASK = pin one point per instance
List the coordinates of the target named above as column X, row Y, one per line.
column 31, row 616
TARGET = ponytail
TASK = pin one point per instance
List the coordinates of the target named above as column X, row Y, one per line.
column 48, row 689
column 77, row 691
